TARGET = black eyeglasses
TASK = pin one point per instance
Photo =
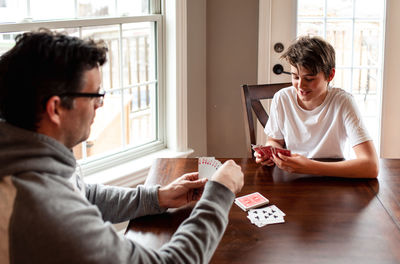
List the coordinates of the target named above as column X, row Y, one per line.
column 99, row 97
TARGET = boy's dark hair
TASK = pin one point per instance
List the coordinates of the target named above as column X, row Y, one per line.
column 40, row 65
column 311, row 53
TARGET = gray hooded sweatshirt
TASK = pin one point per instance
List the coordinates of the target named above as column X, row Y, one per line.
column 43, row 219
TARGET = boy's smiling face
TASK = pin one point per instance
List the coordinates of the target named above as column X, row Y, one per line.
column 311, row 89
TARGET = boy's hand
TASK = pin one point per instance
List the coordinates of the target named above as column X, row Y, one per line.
column 263, row 159
column 294, row 164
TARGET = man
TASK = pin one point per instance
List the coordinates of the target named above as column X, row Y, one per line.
column 49, row 93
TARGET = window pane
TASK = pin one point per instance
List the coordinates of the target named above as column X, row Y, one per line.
column 369, row 8
column 66, row 9
column 367, row 105
column 50, row 9
column 7, row 41
column 367, row 43
column 96, row 8
column 141, row 114
column 12, row 10
column 139, row 67
column 342, row 79
column 339, row 8
column 129, row 7
column 338, row 33
column 315, row 28
column 110, row 70
column 139, row 53
column 310, row 8
column 365, row 81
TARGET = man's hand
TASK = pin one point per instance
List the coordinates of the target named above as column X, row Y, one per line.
column 181, row 191
column 230, row 174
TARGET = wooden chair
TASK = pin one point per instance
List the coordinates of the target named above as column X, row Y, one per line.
column 251, row 96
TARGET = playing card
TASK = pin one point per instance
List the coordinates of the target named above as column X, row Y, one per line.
column 207, row 166
column 263, row 150
column 267, row 151
column 266, row 216
column 250, row 201
column 285, row 152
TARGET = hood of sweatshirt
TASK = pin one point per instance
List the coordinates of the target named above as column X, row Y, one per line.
column 22, row 151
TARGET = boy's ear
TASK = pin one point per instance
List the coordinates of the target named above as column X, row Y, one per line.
column 54, row 109
column 331, row 75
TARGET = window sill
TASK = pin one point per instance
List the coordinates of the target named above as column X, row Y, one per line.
column 134, row 172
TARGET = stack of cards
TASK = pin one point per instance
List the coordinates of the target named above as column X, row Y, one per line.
column 250, row 201
column 267, row 151
column 208, row 166
column 266, row 216
column 260, row 216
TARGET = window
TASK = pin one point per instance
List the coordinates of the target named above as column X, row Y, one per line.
column 129, row 123
column 355, row 29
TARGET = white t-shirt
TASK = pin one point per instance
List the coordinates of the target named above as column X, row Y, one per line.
column 317, row 133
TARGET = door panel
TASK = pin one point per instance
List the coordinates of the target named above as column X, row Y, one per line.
column 277, row 24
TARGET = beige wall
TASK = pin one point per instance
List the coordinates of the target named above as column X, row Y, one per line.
column 222, row 55
column 196, row 76
column 232, row 40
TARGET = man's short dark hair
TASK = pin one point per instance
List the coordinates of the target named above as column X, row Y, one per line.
column 40, row 65
column 311, row 53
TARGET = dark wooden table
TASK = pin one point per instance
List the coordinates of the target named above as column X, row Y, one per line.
column 328, row 220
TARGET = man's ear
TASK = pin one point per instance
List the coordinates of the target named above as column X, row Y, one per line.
column 54, row 109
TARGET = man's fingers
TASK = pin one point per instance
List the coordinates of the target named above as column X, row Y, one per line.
column 196, row 183
column 192, row 176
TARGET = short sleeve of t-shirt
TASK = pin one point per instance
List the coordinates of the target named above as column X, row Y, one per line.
column 272, row 128
column 354, row 126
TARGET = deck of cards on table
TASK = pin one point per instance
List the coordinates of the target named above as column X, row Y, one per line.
column 250, row 201
column 260, row 216
column 267, row 151
column 266, row 216
column 208, row 166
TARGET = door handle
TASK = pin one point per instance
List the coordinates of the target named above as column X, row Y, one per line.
column 278, row 69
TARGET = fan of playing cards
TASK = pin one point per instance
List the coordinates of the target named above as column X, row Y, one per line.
column 267, row 151
column 208, row 166
column 260, row 216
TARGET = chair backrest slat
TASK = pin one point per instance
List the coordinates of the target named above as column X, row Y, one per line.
column 252, row 96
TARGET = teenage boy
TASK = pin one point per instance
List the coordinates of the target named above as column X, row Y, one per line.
column 314, row 120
